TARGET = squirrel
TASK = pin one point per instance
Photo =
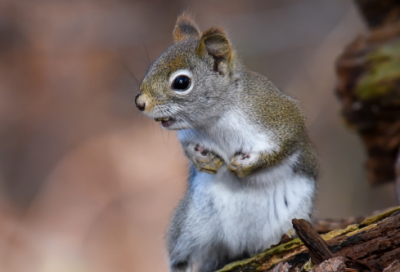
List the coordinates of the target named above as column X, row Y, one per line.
column 253, row 167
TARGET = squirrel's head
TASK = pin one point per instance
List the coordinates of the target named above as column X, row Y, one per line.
column 188, row 84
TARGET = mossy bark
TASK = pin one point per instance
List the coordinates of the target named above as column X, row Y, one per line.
column 369, row 90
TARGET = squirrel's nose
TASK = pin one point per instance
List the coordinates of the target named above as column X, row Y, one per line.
column 141, row 105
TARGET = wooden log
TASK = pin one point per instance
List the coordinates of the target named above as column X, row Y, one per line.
column 374, row 245
column 317, row 247
column 394, row 267
column 337, row 264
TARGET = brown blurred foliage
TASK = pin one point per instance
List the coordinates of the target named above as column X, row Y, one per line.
column 86, row 182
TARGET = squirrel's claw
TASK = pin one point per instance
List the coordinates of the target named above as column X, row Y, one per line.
column 209, row 163
column 236, row 169
column 239, row 165
column 204, row 160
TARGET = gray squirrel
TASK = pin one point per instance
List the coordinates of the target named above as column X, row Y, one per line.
column 253, row 167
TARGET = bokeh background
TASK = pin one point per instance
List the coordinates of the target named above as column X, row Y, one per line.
column 86, row 182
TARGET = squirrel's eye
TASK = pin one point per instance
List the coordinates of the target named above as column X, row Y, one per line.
column 181, row 83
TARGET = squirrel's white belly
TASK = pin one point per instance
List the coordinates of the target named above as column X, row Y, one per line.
column 248, row 216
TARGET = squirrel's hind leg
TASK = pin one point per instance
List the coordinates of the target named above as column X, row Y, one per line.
column 179, row 246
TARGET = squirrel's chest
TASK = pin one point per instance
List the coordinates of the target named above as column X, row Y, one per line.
column 232, row 133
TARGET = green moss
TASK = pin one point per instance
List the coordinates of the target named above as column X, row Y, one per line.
column 383, row 74
column 335, row 233
column 379, row 217
column 387, row 52
column 269, row 253
column 361, row 230
column 308, row 266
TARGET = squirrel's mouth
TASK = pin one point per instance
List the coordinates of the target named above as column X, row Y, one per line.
column 165, row 121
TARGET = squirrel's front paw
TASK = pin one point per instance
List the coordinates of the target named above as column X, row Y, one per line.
column 206, row 160
column 240, row 164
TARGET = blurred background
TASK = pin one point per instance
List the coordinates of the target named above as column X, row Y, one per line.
column 86, row 182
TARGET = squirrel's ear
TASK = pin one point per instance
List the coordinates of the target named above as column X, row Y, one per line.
column 185, row 28
column 215, row 43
